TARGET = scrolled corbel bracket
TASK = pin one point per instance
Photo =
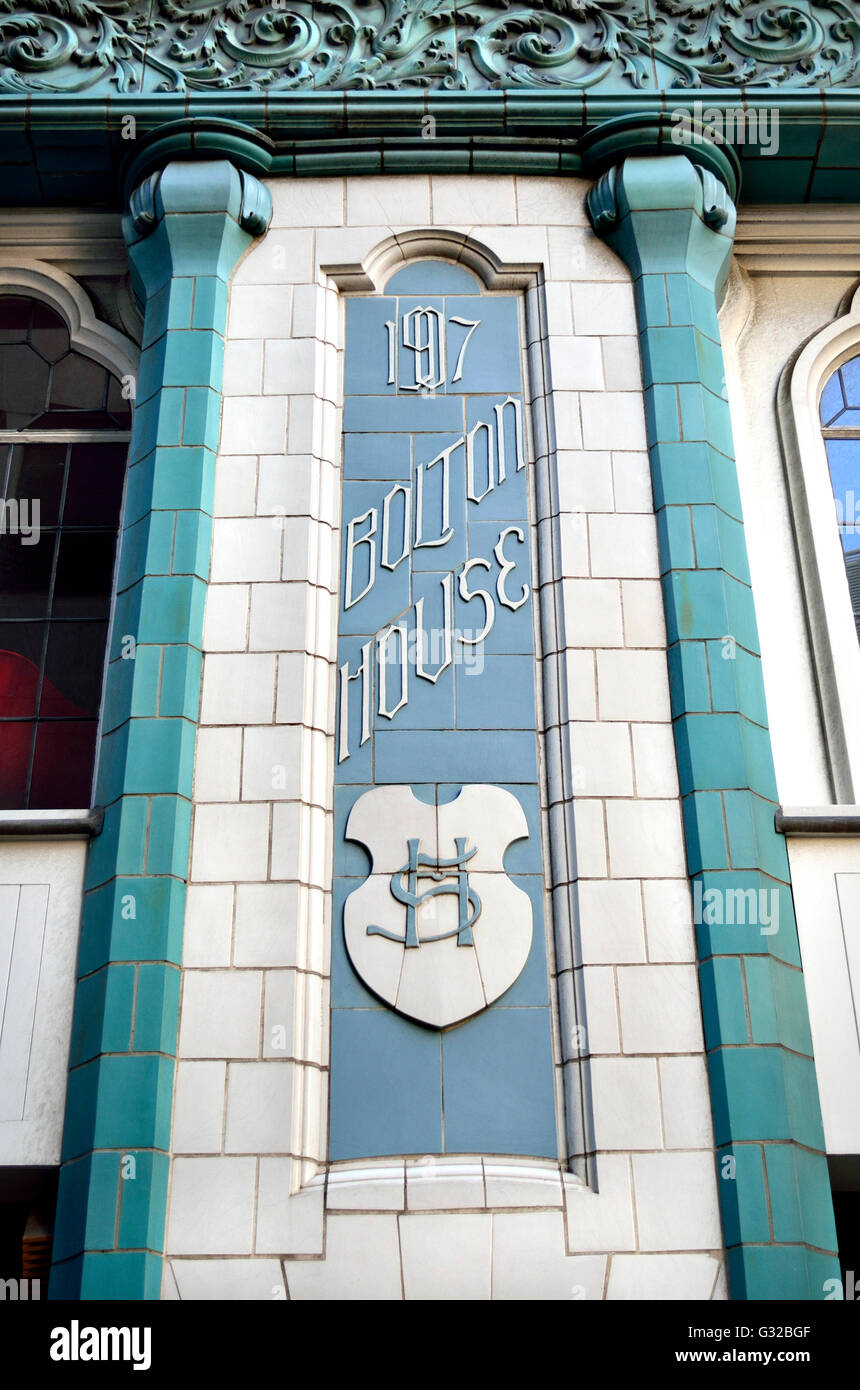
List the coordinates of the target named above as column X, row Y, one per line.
column 662, row 199
column 200, row 165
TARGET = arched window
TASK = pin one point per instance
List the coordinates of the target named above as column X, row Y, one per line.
column 839, row 411
column 64, row 430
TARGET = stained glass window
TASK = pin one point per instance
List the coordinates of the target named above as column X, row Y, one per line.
column 840, row 419
column 63, row 442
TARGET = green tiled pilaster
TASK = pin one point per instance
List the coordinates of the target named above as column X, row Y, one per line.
column 673, row 224
column 187, row 228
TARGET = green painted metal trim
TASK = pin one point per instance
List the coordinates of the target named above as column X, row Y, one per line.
column 68, row 149
column 189, row 224
column 673, row 223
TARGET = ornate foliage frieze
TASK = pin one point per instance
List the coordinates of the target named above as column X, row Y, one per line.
column 128, row 46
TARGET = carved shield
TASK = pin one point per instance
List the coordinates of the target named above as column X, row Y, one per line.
column 438, row 930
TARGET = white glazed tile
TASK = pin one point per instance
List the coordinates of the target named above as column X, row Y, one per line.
column 633, row 685
column 245, row 548
column 226, row 624
column 243, row 366
column 669, row 920
column 590, row 835
column 530, row 1262
column 309, row 202
column 281, row 999
column 623, row 546
column 601, row 759
column 610, row 921
column 516, row 1186
column 364, row 1189
column 460, row 199
column 287, row 1224
column 198, row 1107
column 660, row 1010
column 338, row 246
column 621, row 364
column 568, row 423
column 259, row 1107
column 676, row 1201
column 258, row 311
column 375, row 201
column 644, row 622
column 220, row 1013
column 604, row 309
column 266, row 930
column 432, row 1186
column 721, row 1286
column 626, row 1104
column 592, row 613
column 235, row 485
column 308, row 319
column 685, row 1278
column 289, row 830
column 686, row 1103
column 645, row 838
column 283, row 256
column 601, row 1014
column 654, row 760
column 229, row 1281
column 631, row 474
column 291, row 367
column 549, row 201
column 584, row 481
column 230, row 843
column 446, row 1257
column 576, row 253
column 208, row 925
column 271, row 763
column 238, row 689
column 253, row 424
column 286, row 484
column 217, row 764
column 559, row 316
column 362, row 1262
column 602, row 1220
column 581, row 696
column 613, row 420
column 576, row 364
column 280, row 617
column 211, row 1206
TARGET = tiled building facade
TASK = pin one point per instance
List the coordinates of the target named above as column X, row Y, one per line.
column 584, row 392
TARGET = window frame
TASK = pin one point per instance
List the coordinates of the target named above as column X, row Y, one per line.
column 112, row 350
column 830, row 619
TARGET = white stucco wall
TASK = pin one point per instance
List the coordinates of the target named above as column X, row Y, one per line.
column 780, row 298
column 41, row 886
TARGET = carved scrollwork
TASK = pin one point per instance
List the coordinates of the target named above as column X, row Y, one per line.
column 192, row 45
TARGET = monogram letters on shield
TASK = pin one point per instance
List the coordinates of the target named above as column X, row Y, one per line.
column 438, row 930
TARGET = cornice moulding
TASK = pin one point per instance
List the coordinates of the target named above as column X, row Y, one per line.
column 124, row 46
column 78, row 241
column 799, row 240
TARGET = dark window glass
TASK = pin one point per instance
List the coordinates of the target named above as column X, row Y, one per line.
column 95, row 484
column 59, row 515
column 48, row 333
column 62, row 763
column 37, row 473
column 15, row 317
column 84, row 569
column 21, row 650
column 24, row 378
column 25, row 576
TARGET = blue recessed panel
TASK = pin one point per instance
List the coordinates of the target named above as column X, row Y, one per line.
column 441, row 1026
